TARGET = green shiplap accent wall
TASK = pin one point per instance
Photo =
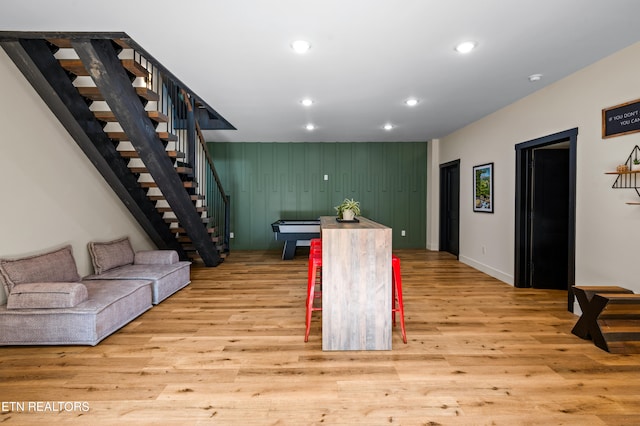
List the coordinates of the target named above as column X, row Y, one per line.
column 271, row 181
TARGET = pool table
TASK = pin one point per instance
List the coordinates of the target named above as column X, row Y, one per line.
column 295, row 233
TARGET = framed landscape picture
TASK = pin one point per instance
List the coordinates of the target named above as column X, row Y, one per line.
column 483, row 188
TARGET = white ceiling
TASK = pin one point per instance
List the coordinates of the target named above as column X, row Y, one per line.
column 367, row 56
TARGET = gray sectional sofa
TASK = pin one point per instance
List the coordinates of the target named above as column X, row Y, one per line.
column 116, row 260
column 43, row 300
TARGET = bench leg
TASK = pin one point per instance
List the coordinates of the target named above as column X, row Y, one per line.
column 596, row 306
column 587, row 323
column 581, row 329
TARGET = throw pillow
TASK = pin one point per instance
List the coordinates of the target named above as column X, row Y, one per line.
column 156, row 257
column 54, row 266
column 47, row 295
column 110, row 254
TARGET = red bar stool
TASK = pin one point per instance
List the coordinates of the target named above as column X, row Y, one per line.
column 315, row 245
column 315, row 249
column 397, row 305
column 315, row 264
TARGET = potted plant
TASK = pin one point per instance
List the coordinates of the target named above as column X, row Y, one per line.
column 348, row 209
column 636, row 165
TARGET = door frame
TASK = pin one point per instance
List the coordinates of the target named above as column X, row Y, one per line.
column 524, row 153
column 443, row 228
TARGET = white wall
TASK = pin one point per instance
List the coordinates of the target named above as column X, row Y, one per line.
column 51, row 193
column 607, row 230
column 433, row 195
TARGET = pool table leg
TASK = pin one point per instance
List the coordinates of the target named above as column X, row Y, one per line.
column 289, row 250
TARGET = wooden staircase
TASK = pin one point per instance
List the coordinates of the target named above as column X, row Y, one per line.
column 109, row 96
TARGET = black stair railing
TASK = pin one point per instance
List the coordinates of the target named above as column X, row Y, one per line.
column 217, row 201
column 183, row 121
column 196, row 168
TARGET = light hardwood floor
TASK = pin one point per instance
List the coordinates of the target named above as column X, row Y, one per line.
column 229, row 350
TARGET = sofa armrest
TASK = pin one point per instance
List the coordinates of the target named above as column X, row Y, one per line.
column 156, row 257
column 47, row 295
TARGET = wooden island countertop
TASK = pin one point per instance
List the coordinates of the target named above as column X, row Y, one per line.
column 356, row 285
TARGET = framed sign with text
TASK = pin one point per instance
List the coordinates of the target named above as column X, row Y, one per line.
column 621, row 119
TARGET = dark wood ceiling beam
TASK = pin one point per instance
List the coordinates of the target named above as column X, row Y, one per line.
column 36, row 61
column 102, row 63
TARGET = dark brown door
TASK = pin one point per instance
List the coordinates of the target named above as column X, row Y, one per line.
column 450, row 207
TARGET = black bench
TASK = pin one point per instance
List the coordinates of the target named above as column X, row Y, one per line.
column 610, row 317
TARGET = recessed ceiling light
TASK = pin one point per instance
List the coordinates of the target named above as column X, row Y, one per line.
column 307, row 102
column 301, row 46
column 310, row 127
column 388, row 126
column 411, row 102
column 465, row 47
column 535, row 77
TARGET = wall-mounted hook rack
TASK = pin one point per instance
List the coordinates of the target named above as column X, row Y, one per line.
column 629, row 178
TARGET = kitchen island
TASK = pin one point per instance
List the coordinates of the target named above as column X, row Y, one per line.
column 356, row 285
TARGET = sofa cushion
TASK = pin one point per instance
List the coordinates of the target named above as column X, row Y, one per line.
column 156, row 257
column 165, row 279
column 47, row 295
column 54, row 266
column 110, row 254
column 108, row 308
column 3, row 293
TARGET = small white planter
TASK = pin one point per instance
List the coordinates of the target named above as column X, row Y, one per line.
column 347, row 214
column 635, row 167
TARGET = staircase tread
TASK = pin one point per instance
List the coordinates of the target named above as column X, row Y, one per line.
column 169, row 209
column 122, row 136
column 76, row 67
column 186, row 240
column 180, row 170
column 155, row 184
column 110, row 116
column 134, row 154
column 175, row 219
column 183, row 231
column 194, row 197
column 93, row 93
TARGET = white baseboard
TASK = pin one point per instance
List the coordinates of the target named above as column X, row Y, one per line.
column 503, row 276
column 495, row 273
